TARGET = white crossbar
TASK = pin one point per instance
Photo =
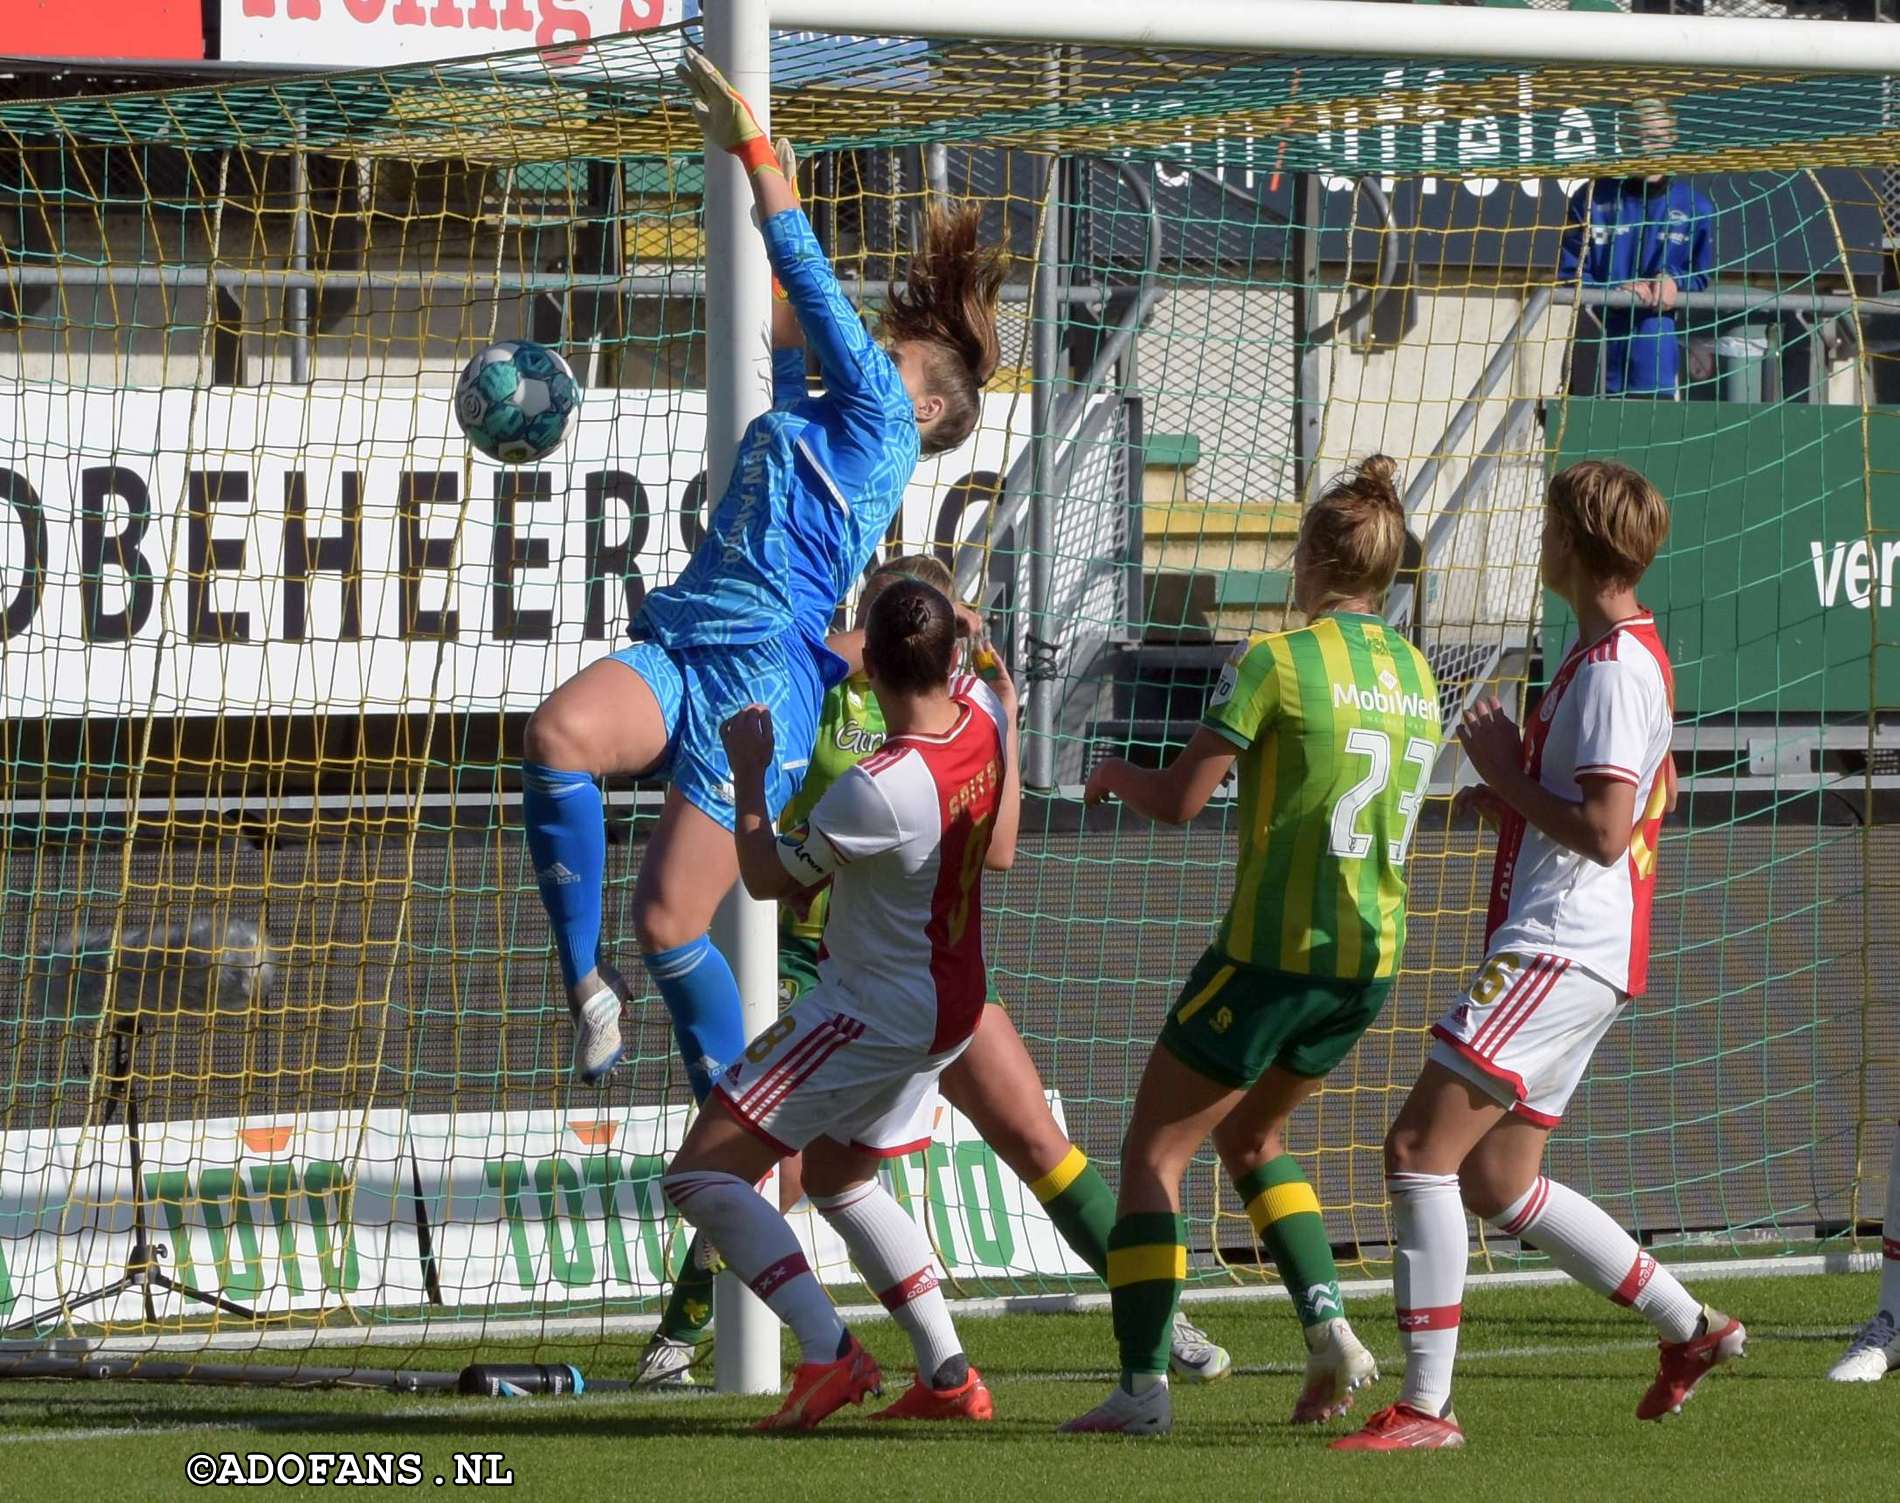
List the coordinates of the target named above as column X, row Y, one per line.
column 1353, row 28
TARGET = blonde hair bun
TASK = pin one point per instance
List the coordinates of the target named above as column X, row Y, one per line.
column 1381, row 473
column 1353, row 536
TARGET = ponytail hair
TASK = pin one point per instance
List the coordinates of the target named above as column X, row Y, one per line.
column 1352, row 538
column 910, row 638
column 948, row 303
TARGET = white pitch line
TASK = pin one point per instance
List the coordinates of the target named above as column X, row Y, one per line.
column 552, row 1327
column 128, row 1432
column 436, row 1409
column 1387, row 1362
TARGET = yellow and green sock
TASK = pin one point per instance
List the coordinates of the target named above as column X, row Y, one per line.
column 1081, row 1205
column 1147, row 1265
column 1286, row 1217
column 689, row 1309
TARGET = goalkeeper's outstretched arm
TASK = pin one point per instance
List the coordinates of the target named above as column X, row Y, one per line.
column 850, row 360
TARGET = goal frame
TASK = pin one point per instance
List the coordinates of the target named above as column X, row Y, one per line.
column 1345, row 28
column 1325, row 27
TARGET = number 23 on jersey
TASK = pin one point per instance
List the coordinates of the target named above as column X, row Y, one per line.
column 1346, row 840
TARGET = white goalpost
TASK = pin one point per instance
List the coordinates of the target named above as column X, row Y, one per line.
column 738, row 316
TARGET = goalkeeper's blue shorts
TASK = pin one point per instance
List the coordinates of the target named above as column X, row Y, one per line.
column 698, row 688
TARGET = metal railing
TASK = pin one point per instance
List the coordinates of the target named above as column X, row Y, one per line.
column 1035, row 482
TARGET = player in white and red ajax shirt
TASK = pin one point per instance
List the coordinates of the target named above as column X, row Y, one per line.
column 1578, row 800
column 1555, row 912
column 903, row 945
column 849, row 1074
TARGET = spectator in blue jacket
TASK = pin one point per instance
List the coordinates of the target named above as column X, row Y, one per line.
column 1651, row 236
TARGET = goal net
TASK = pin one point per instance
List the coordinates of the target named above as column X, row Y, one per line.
column 271, row 632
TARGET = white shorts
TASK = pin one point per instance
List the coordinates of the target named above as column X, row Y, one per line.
column 821, row 1073
column 1527, row 1030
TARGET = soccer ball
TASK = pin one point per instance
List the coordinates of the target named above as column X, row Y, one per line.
column 517, row 401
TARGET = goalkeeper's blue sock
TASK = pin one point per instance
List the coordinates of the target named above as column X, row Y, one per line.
column 703, row 998
column 562, row 814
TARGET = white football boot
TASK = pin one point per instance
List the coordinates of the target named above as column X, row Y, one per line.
column 1125, row 1413
column 1872, row 1354
column 1337, row 1365
column 597, row 1046
column 1192, row 1357
column 667, row 1363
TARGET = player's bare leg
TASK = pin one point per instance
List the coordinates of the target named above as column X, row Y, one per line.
column 995, row 1084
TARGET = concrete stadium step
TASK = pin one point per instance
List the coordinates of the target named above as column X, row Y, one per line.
column 1213, row 568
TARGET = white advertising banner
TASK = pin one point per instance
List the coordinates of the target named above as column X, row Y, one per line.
column 511, row 1212
column 302, row 1213
column 539, row 1208
column 359, row 33
column 548, row 1208
column 283, row 550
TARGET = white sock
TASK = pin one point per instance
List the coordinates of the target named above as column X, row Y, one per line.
column 894, row 1257
column 1890, row 1242
column 1587, row 1244
column 1428, row 1283
column 758, row 1246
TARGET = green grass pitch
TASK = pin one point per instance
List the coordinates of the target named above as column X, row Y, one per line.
column 1546, row 1387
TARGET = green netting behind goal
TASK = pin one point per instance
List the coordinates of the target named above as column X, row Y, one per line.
column 270, row 634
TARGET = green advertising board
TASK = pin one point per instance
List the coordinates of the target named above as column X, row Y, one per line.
column 1774, row 587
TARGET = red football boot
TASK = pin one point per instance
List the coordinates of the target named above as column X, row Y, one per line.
column 819, row 1388
column 1684, row 1364
column 969, row 1400
column 1400, row 1427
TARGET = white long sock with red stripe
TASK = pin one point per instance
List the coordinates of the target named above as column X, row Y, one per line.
column 1587, row 1244
column 894, row 1256
column 1428, row 1283
column 758, row 1245
column 1890, row 1243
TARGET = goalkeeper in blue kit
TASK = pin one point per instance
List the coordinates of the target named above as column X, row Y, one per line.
column 816, row 484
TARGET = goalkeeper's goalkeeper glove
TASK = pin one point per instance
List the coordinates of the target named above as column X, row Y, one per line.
column 724, row 115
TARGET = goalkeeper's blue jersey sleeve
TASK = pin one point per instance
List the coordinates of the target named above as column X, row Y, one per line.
column 816, row 484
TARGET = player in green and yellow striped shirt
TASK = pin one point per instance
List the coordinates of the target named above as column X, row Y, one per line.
column 1332, row 731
